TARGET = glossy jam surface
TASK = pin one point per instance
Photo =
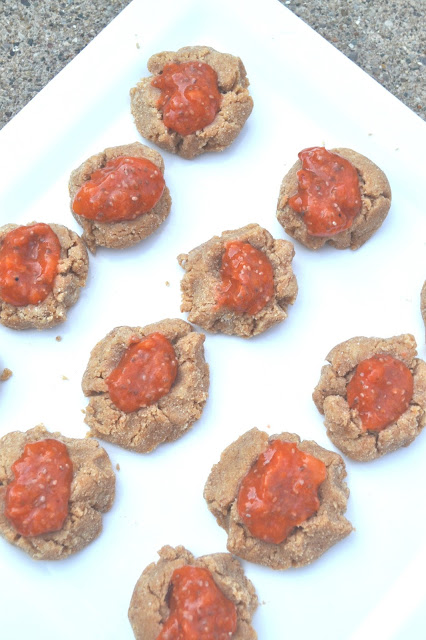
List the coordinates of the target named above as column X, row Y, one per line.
column 380, row 390
column 190, row 97
column 144, row 374
column 37, row 499
column 29, row 259
column 123, row 189
column 280, row 491
column 198, row 608
column 247, row 279
column 328, row 196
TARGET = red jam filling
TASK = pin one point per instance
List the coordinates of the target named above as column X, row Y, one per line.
column 37, row 499
column 280, row 491
column 247, row 279
column 328, row 196
column 380, row 390
column 190, row 97
column 144, row 374
column 29, row 259
column 123, row 189
column 198, row 608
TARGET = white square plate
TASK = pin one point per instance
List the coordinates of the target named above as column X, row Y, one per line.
column 305, row 93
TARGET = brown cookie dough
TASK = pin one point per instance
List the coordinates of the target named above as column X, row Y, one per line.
column 199, row 284
column 308, row 541
column 149, row 610
column 173, row 414
column 73, row 266
column 92, row 493
column 5, row 375
column 119, row 235
column 343, row 424
column 235, row 107
column 375, row 197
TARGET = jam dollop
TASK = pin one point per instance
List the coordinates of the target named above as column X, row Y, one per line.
column 198, row 608
column 29, row 259
column 123, row 189
column 144, row 374
column 328, row 196
column 190, row 97
column 37, row 499
column 380, row 390
column 280, row 491
column 247, row 279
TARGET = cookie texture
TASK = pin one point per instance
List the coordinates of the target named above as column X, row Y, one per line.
column 235, row 108
column 308, row 541
column 149, row 610
column 375, row 199
column 202, row 278
column 73, row 266
column 166, row 420
column 92, row 494
column 343, row 424
column 119, row 235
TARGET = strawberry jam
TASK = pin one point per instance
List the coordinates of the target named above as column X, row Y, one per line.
column 280, row 491
column 37, row 499
column 144, row 374
column 198, row 608
column 190, row 97
column 247, row 279
column 124, row 189
column 29, row 259
column 380, row 390
column 328, row 197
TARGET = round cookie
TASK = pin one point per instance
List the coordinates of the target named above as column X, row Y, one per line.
column 149, row 609
column 306, row 542
column 119, row 235
column 202, row 278
column 168, row 418
column 235, row 108
column 92, row 493
column 375, row 201
column 71, row 276
column 343, row 424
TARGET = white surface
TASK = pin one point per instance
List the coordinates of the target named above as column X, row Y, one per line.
column 305, row 93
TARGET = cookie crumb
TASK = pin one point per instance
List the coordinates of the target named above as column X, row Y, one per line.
column 58, row 338
column 64, row 378
column 167, row 283
column 117, row 466
column 6, row 374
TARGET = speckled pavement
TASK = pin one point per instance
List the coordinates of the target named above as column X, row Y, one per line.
column 386, row 39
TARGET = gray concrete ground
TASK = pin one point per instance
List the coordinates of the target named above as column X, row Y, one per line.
column 386, row 39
